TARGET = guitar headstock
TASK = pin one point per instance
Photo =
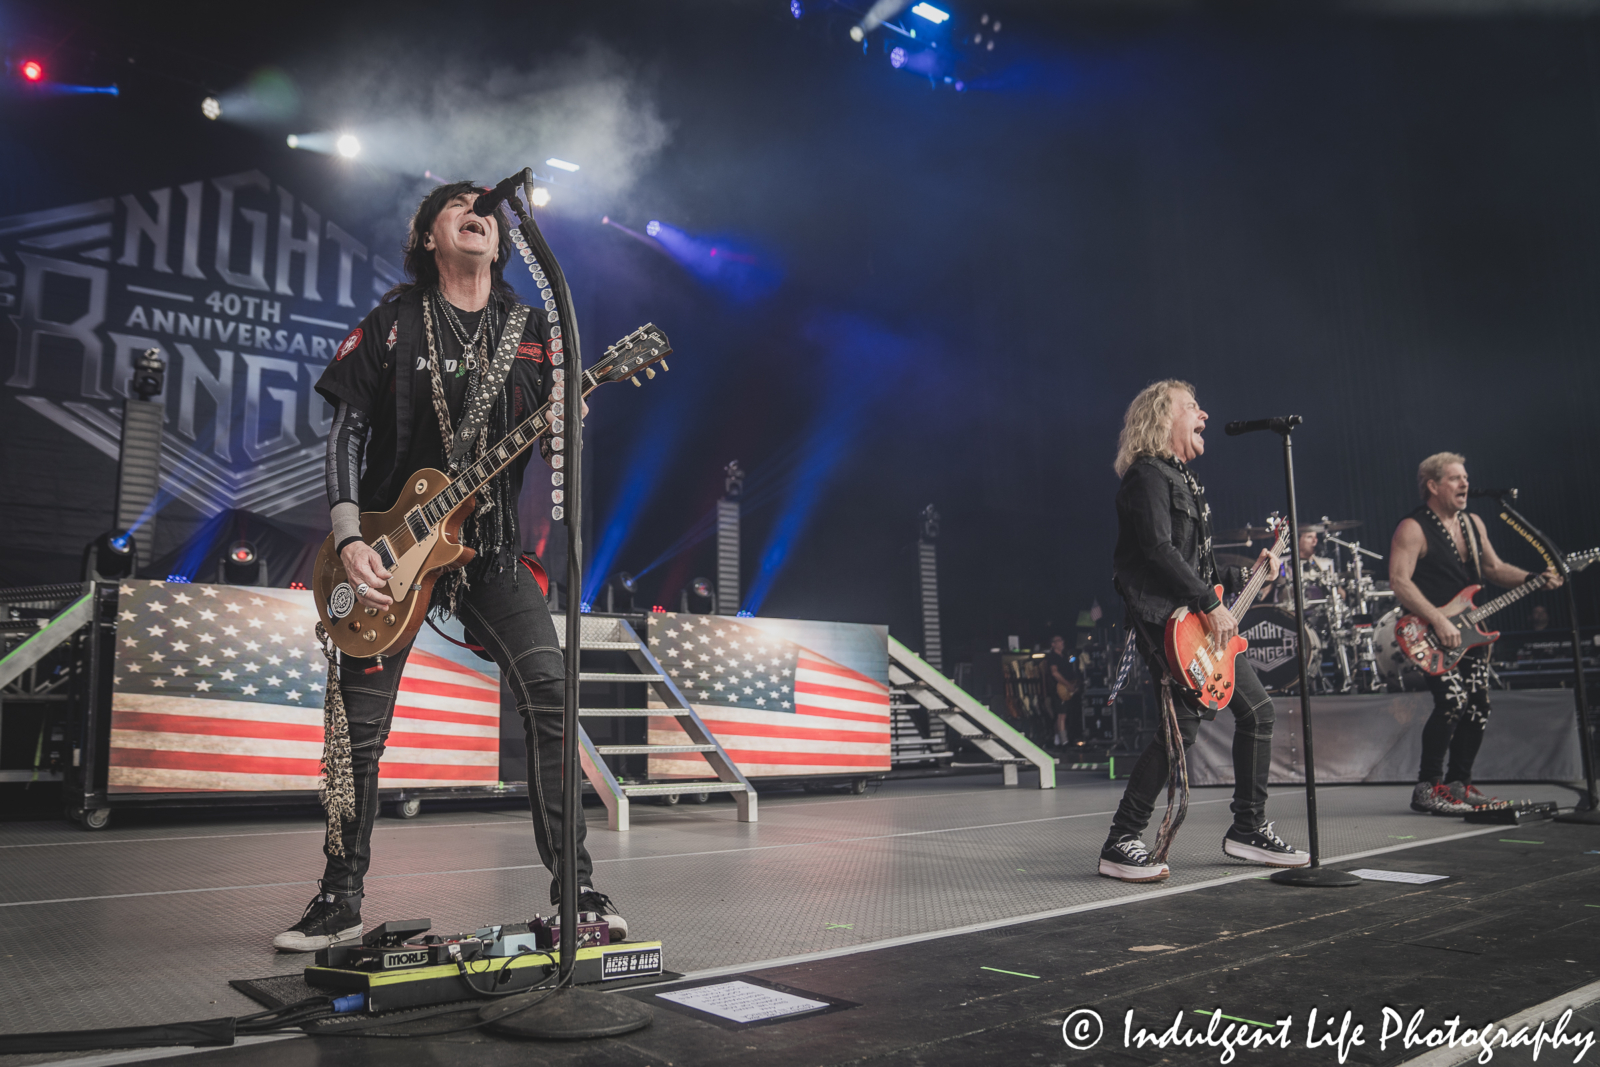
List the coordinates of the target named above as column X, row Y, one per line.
column 639, row 351
column 1579, row 560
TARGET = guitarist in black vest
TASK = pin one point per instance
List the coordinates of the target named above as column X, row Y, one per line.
column 1163, row 561
column 1438, row 550
column 408, row 384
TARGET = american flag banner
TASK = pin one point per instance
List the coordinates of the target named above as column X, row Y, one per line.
column 778, row 707
column 220, row 687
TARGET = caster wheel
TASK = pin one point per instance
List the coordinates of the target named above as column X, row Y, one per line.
column 408, row 809
column 97, row 819
column 858, row 786
column 667, row 800
column 700, row 798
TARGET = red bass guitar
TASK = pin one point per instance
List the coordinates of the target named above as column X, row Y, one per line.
column 1199, row 666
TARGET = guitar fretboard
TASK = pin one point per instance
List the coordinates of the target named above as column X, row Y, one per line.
column 1252, row 588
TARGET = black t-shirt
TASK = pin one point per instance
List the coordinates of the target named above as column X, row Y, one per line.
column 387, row 355
column 427, row 446
column 1067, row 664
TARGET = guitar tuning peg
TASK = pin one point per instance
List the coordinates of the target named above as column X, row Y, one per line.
column 649, row 372
column 664, row 366
column 636, row 383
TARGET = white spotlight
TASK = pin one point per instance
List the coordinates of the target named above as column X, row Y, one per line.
column 560, row 164
column 541, row 196
column 857, row 34
column 211, row 107
column 347, row 146
column 931, row 13
column 294, row 140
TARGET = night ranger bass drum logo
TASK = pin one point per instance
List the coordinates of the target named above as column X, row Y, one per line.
column 1271, row 645
column 247, row 291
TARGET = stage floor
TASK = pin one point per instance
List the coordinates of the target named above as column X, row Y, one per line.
column 147, row 921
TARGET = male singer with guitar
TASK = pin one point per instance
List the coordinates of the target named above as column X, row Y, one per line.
column 1163, row 562
column 1435, row 554
column 415, row 371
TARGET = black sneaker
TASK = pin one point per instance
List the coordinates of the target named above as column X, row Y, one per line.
column 1261, row 845
column 328, row 920
column 591, row 900
column 1128, row 858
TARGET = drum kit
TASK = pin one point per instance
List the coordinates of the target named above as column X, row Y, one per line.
column 1350, row 617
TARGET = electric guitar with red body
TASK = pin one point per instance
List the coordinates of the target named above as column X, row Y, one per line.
column 1197, row 664
column 1420, row 645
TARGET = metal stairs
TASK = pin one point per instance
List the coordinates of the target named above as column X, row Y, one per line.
column 610, row 634
column 961, row 714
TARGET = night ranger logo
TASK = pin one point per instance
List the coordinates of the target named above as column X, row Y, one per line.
column 247, row 292
column 1271, row 645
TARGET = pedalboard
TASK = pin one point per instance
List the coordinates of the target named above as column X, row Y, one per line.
column 1513, row 814
column 398, row 965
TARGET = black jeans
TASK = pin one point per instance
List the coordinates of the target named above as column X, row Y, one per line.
column 1252, row 746
column 510, row 618
column 1460, row 715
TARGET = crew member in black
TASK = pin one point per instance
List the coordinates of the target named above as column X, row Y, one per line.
column 1163, row 561
column 401, row 384
column 1435, row 554
column 1063, row 690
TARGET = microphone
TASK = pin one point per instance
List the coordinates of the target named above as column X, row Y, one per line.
column 484, row 206
column 1497, row 494
column 1282, row 424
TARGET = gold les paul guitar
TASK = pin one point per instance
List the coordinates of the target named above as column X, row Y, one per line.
column 420, row 537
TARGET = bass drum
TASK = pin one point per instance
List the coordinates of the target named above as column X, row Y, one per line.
column 1272, row 653
column 1397, row 672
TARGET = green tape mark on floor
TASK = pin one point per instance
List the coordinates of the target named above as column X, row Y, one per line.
column 1407, row 837
column 997, row 970
column 838, row 926
column 1236, row 1019
column 1518, row 841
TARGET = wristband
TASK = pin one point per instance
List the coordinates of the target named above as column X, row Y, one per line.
column 339, row 548
column 1209, row 602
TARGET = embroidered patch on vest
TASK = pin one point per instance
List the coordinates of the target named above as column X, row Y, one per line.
column 348, row 345
column 531, row 350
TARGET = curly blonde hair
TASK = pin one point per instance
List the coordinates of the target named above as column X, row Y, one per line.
column 1148, row 423
column 1432, row 470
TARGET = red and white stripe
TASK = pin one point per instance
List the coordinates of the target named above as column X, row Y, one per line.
column 840, row 725
column 445, row 732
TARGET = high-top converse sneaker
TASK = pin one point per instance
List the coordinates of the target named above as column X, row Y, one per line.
column 1128, row 858
column 1261, row 845
column 328, row 920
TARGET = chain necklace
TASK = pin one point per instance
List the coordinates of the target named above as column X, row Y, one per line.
column 469, row 346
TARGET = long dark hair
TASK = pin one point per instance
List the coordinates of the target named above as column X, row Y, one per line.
column 422, row 269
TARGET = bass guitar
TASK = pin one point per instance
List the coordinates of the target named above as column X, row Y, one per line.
column 1420, row 645
column 419, row 538
column 1199, row 666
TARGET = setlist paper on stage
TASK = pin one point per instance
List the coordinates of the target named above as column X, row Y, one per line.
column 1398, row 876
column 743, row 1002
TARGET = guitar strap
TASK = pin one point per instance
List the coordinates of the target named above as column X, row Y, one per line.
column 1469, row 530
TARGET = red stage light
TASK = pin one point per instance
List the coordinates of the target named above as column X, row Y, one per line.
column 33, row 70
column 242, row 555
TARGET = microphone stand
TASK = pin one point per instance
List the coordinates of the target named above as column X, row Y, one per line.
column 565, row 1012
column 1314, row 874
column 1588, row 810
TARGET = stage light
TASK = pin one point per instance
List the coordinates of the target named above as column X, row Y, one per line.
column 652, row 228
column 33, row 70
column 294, row 140
column 560, row 164
column 897, row 57
column 931, row 13
column 109, row 557
column 541, row 196
column 627, row 581
column 348, row 146
column 120, row 543
column 701, row 587
column 211, row 108
column 242, row 553
column 796, row 9
column 658, row 610
column 857, row 34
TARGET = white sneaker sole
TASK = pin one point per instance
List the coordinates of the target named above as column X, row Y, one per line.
column 1126, row 873
column 295, row 941
column 1240, row 851
column 619, row 927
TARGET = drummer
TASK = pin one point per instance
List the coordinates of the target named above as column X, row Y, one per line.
column 1316, row 573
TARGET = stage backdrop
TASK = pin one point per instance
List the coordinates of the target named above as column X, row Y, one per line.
column 220, row 688
column 785, row 697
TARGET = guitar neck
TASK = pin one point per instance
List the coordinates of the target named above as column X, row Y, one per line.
column 1483, row 611
column 481, row 471
column 1252, row 588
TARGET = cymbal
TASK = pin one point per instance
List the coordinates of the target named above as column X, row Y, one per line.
column 1245, row 533
column 1332, row 526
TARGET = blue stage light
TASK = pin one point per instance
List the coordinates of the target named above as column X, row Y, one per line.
column 897, row 57
column 796, row 9
column 931, row 13
column 652, row 228
column 121, row 542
